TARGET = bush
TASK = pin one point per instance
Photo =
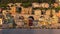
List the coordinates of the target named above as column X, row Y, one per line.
column 3, row 6
column 26, row 4
column 58, row 8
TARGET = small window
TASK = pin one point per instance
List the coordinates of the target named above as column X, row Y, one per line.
column 57, row 11
column 51, row 15
column 18, row 9
column 33, row 12
column 58, row 20
column 12, row 5
column 43, row 12
column 0, row 16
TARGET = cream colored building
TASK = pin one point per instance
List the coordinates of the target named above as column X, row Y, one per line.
column 35, row 5
column 53, row 11
column 48, row 12
column 43, row 5
column 26, row 10
column 18, row 4
column 46, row 5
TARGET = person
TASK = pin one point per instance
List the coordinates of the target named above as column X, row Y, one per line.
column 14, row 24
column 30, row 22
column 31, row 19
column 20, row 22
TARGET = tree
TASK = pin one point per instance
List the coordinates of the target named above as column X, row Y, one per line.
column 26, row 4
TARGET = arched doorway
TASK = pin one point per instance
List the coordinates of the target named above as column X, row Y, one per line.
column 18, row 9
column 31, row 17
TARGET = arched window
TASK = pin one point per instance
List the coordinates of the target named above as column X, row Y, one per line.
column 32, row 12
column 31, row 17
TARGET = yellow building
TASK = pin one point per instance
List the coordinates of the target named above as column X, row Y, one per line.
column 1, row 22
column 37, row 12
column 13, row 10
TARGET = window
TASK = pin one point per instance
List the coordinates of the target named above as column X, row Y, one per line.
column 33, row 12
column 57, row 10
column 0, row 15
column 43, row 12
column 18, row 9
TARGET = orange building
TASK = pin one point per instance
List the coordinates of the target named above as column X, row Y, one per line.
column 13, row 10
column 58, row 14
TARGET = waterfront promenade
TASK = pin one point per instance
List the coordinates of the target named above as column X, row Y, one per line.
column 30, row 31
